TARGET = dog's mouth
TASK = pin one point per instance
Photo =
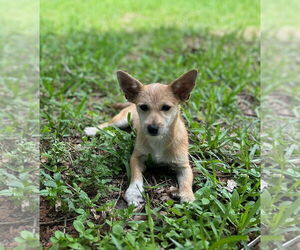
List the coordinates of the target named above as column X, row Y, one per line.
column 153, row 134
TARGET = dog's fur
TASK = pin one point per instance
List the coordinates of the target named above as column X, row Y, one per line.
column 169, row 145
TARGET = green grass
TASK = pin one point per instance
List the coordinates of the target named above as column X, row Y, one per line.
column 277, row 15
column 82, row 45
column 129, row 15
column 19, row 120
column 280, row 127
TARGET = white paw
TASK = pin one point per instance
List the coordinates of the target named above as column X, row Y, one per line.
column 133, row 196
column 187, row 197
column 91, row 131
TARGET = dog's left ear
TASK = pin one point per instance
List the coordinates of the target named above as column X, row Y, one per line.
column 182, row 87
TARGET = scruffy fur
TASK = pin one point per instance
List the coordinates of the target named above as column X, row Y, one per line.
column 169, row 144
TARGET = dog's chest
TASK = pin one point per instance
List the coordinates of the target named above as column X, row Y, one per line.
column 158, row 154
column 157, row 150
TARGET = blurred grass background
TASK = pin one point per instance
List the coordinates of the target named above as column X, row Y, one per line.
column 82, row 44
column 130, row 15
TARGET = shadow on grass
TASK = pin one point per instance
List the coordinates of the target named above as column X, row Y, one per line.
column 89, row 59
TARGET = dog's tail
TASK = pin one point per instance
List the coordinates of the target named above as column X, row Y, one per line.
column 121, row 105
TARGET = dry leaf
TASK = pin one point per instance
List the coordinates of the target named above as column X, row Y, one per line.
column 57, row 205
column 94, row 212
column 24, row 205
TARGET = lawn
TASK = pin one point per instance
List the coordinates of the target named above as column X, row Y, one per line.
column 83, row 179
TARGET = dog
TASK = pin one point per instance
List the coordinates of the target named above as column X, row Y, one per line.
column 155, row 114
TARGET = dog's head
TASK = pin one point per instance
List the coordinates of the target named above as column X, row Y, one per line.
column 157, row 104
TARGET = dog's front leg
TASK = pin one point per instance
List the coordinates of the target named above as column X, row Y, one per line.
column 185, row 182
column 133, row 194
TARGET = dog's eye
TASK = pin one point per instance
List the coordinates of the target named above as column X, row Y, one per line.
column 144, row 107
column 165, row 107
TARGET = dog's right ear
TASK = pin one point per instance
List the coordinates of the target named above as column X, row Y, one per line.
column 130, row 86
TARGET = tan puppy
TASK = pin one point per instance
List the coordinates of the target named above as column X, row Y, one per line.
column 161, row 132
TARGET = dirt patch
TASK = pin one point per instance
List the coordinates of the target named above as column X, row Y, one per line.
column 280, row 104
column 129, row 17
column 51, row 221
column 286, row 34
column 246, row 103
column 194, row 44
column 13, row 220
column 249, row 34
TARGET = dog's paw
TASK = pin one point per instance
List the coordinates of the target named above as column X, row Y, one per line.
column 91, row 131
column 134, row 197
column 187, row 197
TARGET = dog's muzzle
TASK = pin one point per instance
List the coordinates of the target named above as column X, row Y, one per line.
column 153, row 130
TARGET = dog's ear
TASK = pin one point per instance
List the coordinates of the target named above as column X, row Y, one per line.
column 182, row 87
column 130, row 86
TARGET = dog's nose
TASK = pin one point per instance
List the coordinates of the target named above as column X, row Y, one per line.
column 152, row 129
